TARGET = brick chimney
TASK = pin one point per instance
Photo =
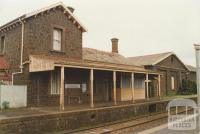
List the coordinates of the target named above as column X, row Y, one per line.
column 114, row 45
column 71, row 9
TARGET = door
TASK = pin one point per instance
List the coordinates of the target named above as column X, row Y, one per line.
column 106, row 90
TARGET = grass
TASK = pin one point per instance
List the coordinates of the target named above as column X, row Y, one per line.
column 11, row 109
column 175, row 95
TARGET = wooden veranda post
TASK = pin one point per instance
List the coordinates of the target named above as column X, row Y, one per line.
column 114, row 88
column 91, row 88
column 159, row 85
column 132, row 86
column 147, row 85
column 62, row 94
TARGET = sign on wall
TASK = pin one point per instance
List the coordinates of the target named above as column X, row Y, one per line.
column 84, row 87
column 72, row 86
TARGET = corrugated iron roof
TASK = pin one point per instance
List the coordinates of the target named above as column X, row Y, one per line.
column 100, row 62
column 103, row 56
column 149, row 59
column 191, row 68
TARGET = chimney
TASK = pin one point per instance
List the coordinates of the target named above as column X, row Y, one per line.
column 71, row 9
column 114, row 45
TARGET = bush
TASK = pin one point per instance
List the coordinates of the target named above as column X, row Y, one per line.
column 6, row 105
column 188, row 88
column 1, row 83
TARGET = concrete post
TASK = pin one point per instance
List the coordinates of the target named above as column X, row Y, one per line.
column 91, row 88
column 197, row 49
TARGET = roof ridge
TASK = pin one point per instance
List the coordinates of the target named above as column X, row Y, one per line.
column 152, row 54
column 38, row 11
column 102, row 51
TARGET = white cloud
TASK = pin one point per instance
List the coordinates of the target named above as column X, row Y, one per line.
column 143, row 26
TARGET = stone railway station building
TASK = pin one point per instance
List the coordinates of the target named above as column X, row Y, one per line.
column 44, row 51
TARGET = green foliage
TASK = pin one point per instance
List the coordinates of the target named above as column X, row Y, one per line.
column 6, row 105
column 1, row 83
column 188, row 88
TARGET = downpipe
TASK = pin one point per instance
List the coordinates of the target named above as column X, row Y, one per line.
column 22, row 49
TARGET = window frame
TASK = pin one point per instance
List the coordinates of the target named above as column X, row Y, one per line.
column 62, row 28
column 172, row 83
column 139, row 83
column 4, row 42
column 125, row 79
column 58, row 84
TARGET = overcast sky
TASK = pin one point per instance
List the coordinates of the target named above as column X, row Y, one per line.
column 142, row 26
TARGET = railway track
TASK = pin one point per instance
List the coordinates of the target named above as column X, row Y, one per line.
column 129, row 126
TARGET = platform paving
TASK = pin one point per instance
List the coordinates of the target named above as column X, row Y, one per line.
column 32, row 111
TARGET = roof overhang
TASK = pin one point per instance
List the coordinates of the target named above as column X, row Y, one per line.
column 48, row 63
column 18, row 20
column 172, row 53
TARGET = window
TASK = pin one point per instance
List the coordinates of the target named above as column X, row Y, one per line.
column 57, row 39
column 2, row 44
column 172, row 59
column 172, row 83
column 139, row 83
column 125, row 81
column 55, row 82
column 96, row 86
column 84, row 87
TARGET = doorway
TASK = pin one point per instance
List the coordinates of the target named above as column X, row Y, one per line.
column 107, row 91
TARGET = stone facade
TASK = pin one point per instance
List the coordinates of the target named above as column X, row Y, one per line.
column 38, row 32
column 69, row 121
column 170, row 67
column 12, row 48
column 38, row 39
column 192, row 76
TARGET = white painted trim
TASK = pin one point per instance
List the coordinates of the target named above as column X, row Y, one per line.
column 52, row 6
column 97, row 68
column 42, row 10
column 156, row 62
column 171, row 53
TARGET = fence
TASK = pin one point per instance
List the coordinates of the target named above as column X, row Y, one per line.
column 15, row 96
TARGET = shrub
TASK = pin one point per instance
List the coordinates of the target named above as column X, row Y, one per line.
column 1, row 83
column 188, row 87
column 6, row 105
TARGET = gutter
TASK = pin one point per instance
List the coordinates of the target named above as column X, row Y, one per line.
column 22, row 49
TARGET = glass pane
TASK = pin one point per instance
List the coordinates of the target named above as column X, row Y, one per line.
column 57, row 39
column 55, row 85
column 139, row 83
column 57, row 34
column 172, row 83
column 2, row 44
column 126, row 81
column 56, row 45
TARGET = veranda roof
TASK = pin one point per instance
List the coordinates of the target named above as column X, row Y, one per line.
column 42, row 62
